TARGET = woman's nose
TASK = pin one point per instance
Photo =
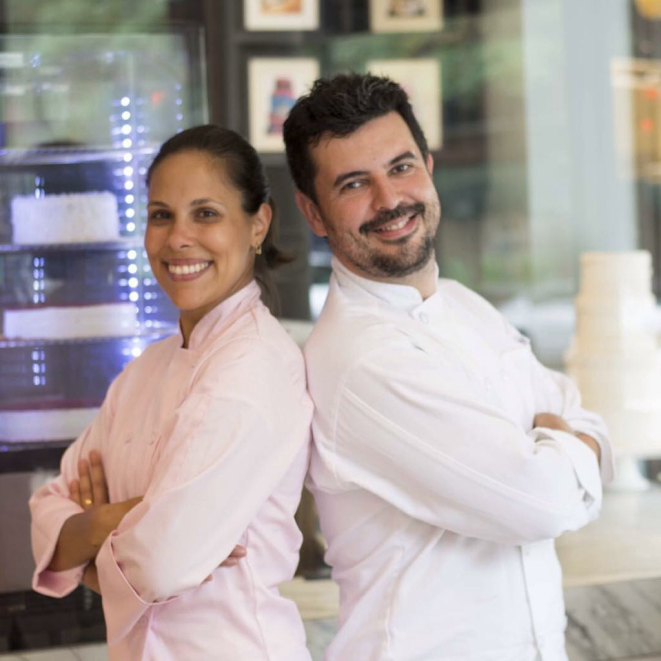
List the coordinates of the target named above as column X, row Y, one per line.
column 180, row 236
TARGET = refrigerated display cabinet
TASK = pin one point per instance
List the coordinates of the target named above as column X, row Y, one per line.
column 81, row 117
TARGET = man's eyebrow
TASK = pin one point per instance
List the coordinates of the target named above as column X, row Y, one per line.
column 357, row 173
column 156, row 203
column 402, row 157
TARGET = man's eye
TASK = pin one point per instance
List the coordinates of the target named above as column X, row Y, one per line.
column 352, row 185
column 402, row 167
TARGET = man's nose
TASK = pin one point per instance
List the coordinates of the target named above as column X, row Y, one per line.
column 385, row 194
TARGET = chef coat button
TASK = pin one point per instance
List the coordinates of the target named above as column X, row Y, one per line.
column 424, row 318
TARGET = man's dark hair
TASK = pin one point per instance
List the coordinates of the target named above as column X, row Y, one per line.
column 336, row 107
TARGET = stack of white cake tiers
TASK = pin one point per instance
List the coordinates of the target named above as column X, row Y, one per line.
column 614, row 357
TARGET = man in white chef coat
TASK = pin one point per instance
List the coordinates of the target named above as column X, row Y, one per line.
column 446, row 457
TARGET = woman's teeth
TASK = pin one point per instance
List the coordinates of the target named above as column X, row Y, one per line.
column 394, row 226
column 187, row 269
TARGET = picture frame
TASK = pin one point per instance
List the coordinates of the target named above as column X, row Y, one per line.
column 280, row 15
column 274, row 84
column 406, row 15
column 421, row 79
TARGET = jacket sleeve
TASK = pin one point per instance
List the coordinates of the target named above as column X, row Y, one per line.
column 415, row 430
column 227, row 448
column 50, row 506
column 557, row 393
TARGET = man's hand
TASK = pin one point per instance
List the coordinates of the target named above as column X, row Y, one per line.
column 553, row 421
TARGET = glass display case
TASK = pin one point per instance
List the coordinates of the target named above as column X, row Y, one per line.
column 81, row 119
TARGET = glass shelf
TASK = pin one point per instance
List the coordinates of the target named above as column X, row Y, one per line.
column 66, row 156
column 147, row 334
column 121, row 244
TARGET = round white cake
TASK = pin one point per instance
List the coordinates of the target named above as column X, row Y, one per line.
column 68, row 322
column 44, row 424
column 70, row 218
column 614, row 357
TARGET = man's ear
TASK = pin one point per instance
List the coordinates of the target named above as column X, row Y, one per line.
column 311, row 212
column 430, row 163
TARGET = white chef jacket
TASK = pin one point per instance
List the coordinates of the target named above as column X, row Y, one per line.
column 438, row 499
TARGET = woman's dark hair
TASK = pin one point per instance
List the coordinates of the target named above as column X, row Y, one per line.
column 247, row 175
column 337, row 107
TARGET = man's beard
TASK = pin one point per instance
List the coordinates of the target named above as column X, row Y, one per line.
column 410, row 259
column 403, row 264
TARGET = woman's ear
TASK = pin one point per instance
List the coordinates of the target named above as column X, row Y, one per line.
column 261, row 222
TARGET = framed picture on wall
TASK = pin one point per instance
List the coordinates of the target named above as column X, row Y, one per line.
column 421, row 78
column 406, row 15
column 274, row 84
column 280, row 15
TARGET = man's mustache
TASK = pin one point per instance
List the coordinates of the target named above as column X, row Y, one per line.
column 388, row 215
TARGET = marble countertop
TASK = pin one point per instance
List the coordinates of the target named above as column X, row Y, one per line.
column 624, row 544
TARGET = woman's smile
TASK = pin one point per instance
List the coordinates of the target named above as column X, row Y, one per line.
column 186, row 269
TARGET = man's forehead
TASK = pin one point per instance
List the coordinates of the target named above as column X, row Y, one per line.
column 373, row 144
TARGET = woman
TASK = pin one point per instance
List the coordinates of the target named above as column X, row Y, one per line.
column 203, row 438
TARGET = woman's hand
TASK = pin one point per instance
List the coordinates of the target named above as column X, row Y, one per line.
column 91, row 578
column 82, row 535
column 90, row 489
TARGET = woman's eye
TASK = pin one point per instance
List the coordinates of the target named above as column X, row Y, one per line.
column 206, row 213
column 159, row 215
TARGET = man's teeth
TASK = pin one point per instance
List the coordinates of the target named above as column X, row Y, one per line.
column 395, row 226
column 187, row 269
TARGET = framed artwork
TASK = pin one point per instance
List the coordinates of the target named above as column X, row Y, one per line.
column 421, row 78
column 274, row 84
column 406, row 15
column 279, row 15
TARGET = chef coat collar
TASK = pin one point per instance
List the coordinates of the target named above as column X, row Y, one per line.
column 402, row 297
column 222, row 315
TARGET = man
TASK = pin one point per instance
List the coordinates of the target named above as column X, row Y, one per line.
column 446, row 458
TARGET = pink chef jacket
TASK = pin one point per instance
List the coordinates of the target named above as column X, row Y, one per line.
column 216, row 438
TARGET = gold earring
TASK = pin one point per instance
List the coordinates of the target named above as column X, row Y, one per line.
column 258, row 249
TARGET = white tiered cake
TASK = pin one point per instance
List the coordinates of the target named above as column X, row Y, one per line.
column 614, row 357
column 70, row 218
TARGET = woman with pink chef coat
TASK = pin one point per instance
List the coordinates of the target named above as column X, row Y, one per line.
column 177, row 503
